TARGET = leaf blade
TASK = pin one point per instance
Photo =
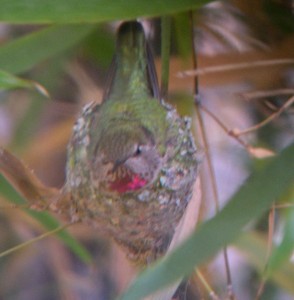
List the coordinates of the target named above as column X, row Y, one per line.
column 22, row 54
column 76, row 11
column 254, row 246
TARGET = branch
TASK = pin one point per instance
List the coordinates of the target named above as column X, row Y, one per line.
column 25, row 182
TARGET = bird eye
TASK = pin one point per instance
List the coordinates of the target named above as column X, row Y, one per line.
column 138, row 150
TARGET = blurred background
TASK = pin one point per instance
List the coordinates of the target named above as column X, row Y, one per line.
column 74, row 70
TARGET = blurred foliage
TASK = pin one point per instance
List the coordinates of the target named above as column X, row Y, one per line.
column 33, row 55
column 73, row 11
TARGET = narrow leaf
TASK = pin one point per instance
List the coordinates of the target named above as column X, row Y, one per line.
column 9, row 81
column 76, row 11
column 281, row 255
column 25, row 52
column 254, row 246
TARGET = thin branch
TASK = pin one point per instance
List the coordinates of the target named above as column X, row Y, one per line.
column 236, row 133
column 31, row 241
column 267, row 93
column 25, row 181
column 207, row 286
column 231, row 67
column 271, row 226
column 208, row 156
column 273, row 116
column 230, row 132
column 284, row 205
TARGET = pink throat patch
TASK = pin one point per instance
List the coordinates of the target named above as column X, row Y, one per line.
column 128, row 183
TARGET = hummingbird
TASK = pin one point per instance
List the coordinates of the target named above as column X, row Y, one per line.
column 131, row 160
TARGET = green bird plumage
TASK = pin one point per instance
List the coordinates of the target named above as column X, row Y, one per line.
column 132, row 161
column 128, row 136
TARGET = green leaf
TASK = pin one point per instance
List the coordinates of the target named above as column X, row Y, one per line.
column 23, row 53
column 183, row 35
column 99, row 47
column 250, row 202
column 46, row 220
column 9, row 81
column 254, row 246
column 282, row 254
column 76, row 11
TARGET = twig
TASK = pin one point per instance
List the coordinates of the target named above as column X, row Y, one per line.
column 230, row 132
column 207, row 286
column 208, row 157
column 31, row 241
column 231, row 67
column 25, row 181
column 284, row 205
column 236, row 133
column 267, row 93
column 271, row 226
column 273, row 116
